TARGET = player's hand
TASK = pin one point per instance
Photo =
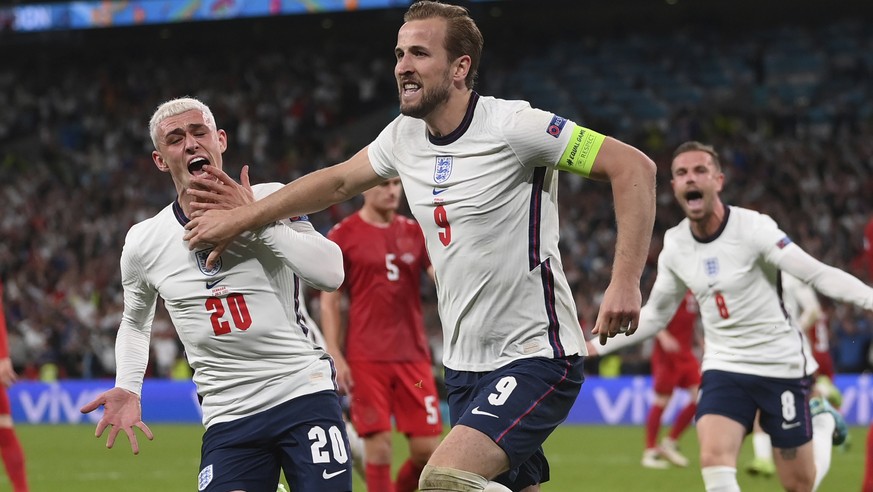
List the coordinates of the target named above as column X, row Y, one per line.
column 7, row 373
column 619, row 311
column 121, row 411
column 668, row 342
column 344, row 379
column 215, row 190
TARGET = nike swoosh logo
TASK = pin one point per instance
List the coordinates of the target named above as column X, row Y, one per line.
column 437, row 191
column 476, row 411
column 786, row 425
column 327, row 476
column 212, row 284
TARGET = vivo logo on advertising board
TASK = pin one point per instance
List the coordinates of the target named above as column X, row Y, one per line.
column 623, row 400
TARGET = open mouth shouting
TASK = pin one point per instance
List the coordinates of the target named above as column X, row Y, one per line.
column 195, row 167
column 694, row 200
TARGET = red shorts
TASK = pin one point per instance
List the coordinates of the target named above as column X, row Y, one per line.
column 675, row 371
column 825, row 363
column 5, row 405
column 405, row 390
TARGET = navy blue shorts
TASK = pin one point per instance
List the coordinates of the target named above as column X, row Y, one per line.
column 784, row 404
column 304, row 437
column 518, row 406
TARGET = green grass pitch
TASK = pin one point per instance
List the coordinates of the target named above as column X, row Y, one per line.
column 69, row 458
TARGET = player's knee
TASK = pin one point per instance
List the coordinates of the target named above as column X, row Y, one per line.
column 443, row 479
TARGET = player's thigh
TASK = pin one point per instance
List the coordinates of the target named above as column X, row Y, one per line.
column 416, row 403
column 727, row 394
column 314, row 447
column 229, row 453
column 516, row 406
column 370, row 406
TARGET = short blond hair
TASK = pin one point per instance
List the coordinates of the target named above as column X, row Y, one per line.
column 178, row 106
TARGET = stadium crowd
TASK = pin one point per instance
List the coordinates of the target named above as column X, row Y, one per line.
column 790, row 109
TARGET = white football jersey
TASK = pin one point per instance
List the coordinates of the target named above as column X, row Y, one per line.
column 239, row 321
column 733, row 277
column 486, row 198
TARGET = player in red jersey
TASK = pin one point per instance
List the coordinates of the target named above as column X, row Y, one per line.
column 674, row 365
column 383, row 359
column 10, row 448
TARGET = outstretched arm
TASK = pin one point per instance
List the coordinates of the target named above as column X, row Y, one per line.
column 311, row 193
column 830, row 281
column 632, row 176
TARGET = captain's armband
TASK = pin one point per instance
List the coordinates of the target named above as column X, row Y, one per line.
column 578, row 157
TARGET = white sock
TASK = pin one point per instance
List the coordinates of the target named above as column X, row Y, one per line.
column 761, row 445
column 822, row 444
column 720, row 479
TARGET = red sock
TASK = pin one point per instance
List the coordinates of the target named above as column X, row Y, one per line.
column 407, row 477
column 683, row 420
column 13, row 459
column 378, row 478
column 653, row 425
column 868, row 466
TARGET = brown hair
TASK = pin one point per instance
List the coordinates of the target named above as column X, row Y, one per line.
column 462, row 34
column 695, row 145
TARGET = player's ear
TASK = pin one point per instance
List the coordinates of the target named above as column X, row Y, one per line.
column 222, row 140
column 462, row 68
column 159, row 162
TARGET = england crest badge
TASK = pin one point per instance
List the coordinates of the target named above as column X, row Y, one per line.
column 442, row 169
column 201, row 256
column 710, row 265
column 204, row 478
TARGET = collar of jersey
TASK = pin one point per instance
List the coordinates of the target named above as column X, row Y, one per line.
column 462, row 128
column 180, row 215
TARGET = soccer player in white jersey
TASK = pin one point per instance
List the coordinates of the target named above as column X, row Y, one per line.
column 268, row 393
column 480, row 175
column 754, row 357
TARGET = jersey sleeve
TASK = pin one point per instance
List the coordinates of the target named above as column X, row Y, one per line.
column 134, row 332
column 311, row 256
column 380, row 151
column 538, row 138
column 781, row 251
column 314, row 258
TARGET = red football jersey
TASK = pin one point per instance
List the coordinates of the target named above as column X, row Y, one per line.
column 682, row 326
column 383, row 267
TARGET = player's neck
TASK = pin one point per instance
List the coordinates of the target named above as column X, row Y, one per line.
column 379, row 218
column 448, row 116
column 185, row 204
column 711, row 223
